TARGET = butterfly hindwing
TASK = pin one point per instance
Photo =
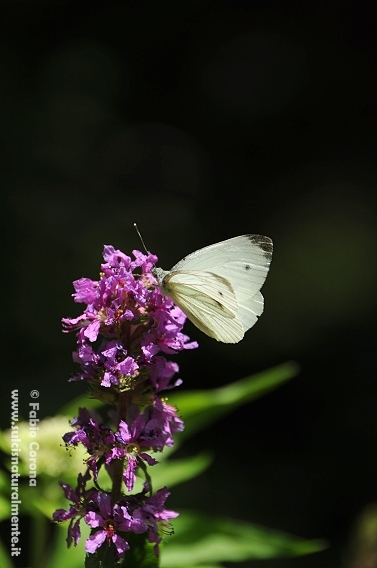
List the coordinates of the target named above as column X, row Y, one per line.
column 217, row 290
column 209, row 303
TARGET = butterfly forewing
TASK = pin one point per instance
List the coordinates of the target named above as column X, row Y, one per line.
column 250, row 249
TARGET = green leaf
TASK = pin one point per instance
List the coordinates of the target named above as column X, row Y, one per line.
column 53, row 458
column 92, row 561
column 200, row 408
column 104, row 557
column 60, row 555
column 204, row 565
column 4, row 478
column 173, row 472
column 4, row 495
column 5, row 561
column 201, row 539
column 141, row 553
column 4, row 509
column 84, row 400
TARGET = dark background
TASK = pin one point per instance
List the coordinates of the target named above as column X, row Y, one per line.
column 203, row 120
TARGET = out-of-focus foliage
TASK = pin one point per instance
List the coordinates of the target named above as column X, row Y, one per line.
column 198, row 539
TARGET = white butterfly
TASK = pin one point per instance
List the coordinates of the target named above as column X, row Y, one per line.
column 218, row 287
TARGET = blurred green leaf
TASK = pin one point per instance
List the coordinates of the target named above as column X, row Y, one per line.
column 5, row 561
column 53, row 458
column 201, row 539
column 205, row 566
column 104, row 557
column 4, row 508
column 141, row 553
column 4, row 496
column 59, row 555
column 200, row 408
column 83, row 401
column 173, row 472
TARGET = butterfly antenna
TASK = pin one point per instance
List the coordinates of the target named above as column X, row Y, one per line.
column 141, row 238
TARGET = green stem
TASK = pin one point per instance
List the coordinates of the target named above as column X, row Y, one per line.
column 117, row 480
column 117, row 474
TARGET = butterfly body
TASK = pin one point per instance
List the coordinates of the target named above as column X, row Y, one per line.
column 218, row 287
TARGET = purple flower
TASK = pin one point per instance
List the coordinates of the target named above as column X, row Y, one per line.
column 110, row 519
column 167, row 417
column 81, row 500
column 117, row 364
column 96, row 437
column 162, row 372
column 134, row 440
column 156, row 517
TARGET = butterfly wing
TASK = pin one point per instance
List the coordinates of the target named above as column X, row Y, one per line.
column 244, row 262
column 208, row 300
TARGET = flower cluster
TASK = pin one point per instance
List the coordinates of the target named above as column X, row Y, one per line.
column 127, row 327
column 136, row 513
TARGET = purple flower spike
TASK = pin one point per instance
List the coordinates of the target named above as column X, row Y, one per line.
column 126, row 329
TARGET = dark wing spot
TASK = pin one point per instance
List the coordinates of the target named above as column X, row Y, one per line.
column 221, row 294
column 247, row 266
column 265, row 243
